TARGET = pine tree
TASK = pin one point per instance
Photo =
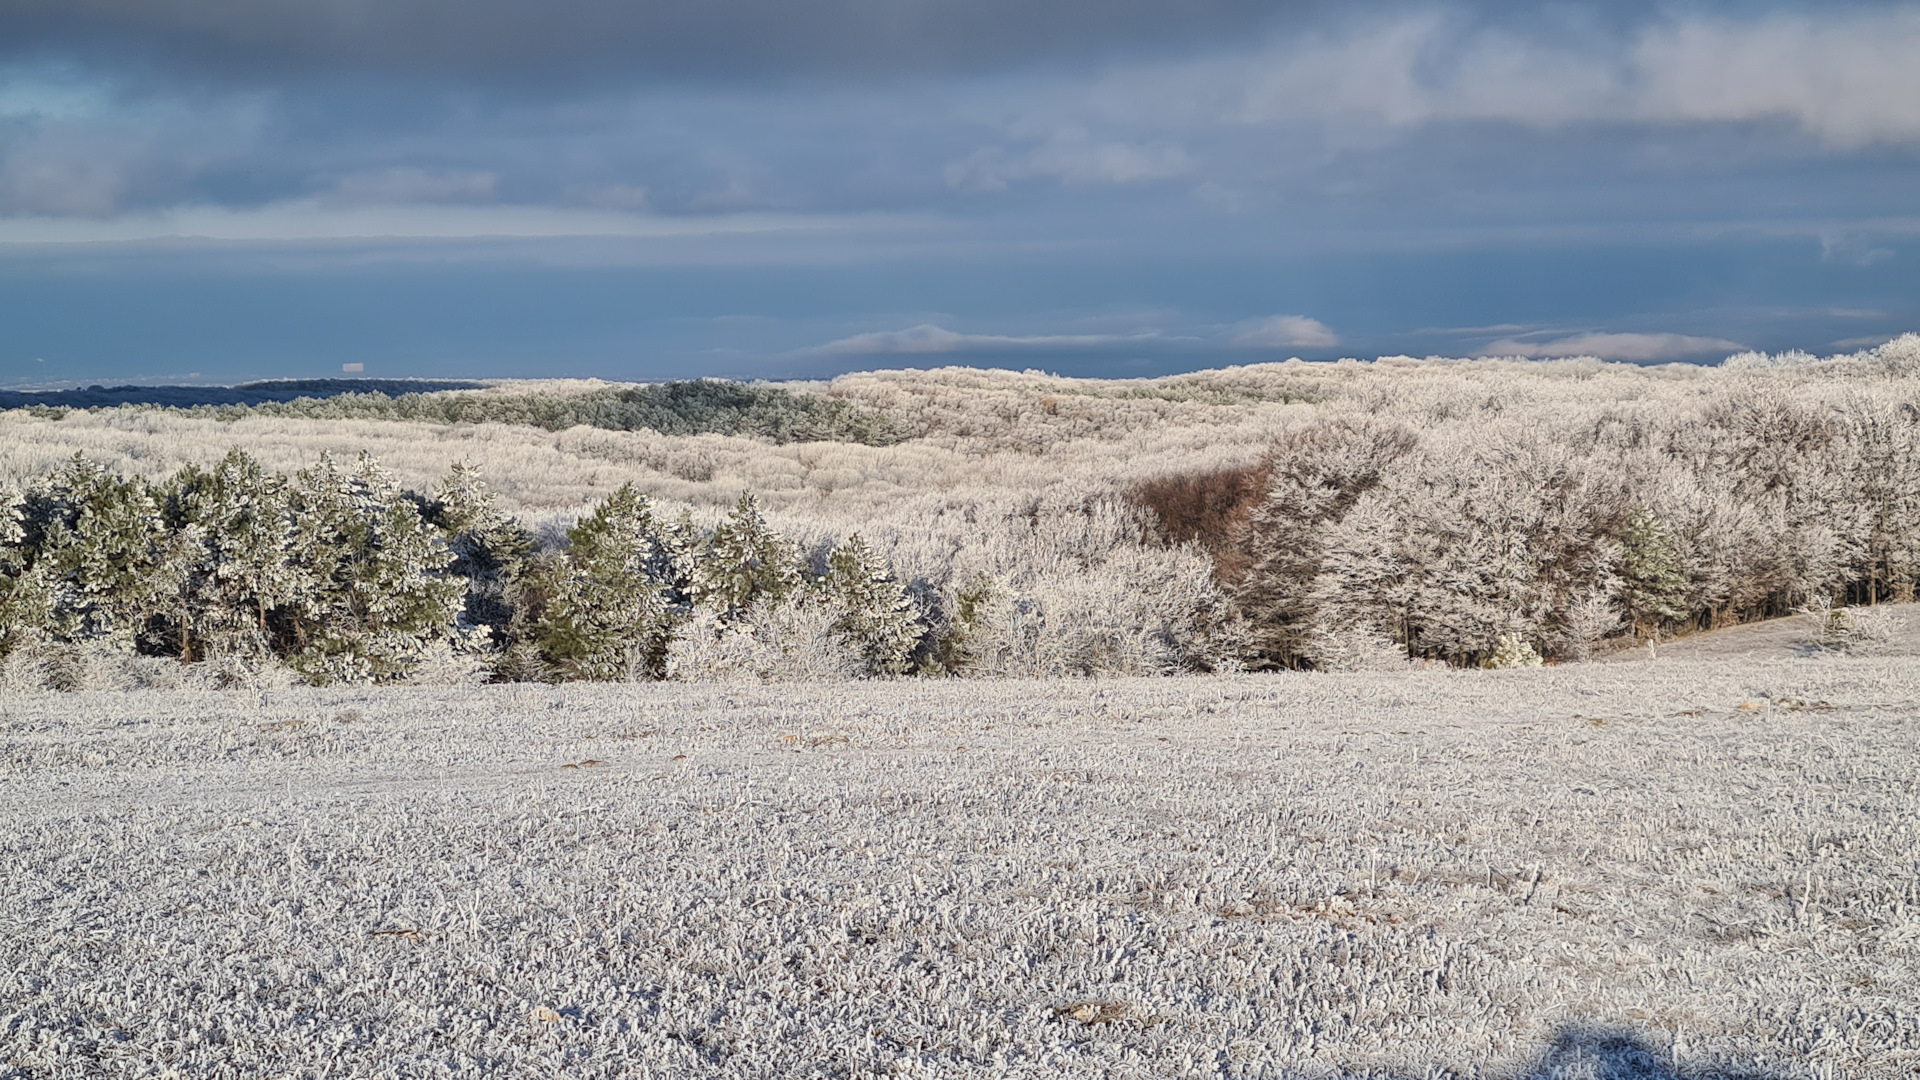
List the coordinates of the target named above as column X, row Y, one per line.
column 607, row 608
column 1513, row 651
column 962, row 618
column 874, row 612
column 100, row 540
column 25, row 605
column 380, row 593
column 490, row 551
column 247, row 579
column 1653, row 589
column 745, row 563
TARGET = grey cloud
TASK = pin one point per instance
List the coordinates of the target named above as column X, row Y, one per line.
column 1846, row 76
column 413, row 185
column 60, row 177
column 1644, row 348
column 1071, row 156
column 488, row 38
column 1284, row 331
column 928, row 338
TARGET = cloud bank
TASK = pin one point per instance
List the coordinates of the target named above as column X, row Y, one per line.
column 1384, row 166
column 1284, row 331
column 1846, row 76
column 325, row 220
column 1641, row 348
column 928, row 339
column 743, row 39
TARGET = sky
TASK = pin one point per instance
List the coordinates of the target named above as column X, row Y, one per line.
column 226, row 190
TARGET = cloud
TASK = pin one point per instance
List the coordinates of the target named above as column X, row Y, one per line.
column 643, row 39
column 410, row 185
column 1637, row 347
column 1852, row 249
column 1848, row 78
column 1071, row 156
column 314, row 219
column 1338, row 113
column 928, row 338
column 1871, row 341
column 64, row 176
column 76, row 147
column 630, row 197
column 1284, row 332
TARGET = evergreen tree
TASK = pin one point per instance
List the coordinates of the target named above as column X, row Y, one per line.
column 247, row 579
column 1513, row 651
column 745, row 563
column 99, row 540
column 380, row 594
column 607, row 608
column 490, row 550
column 963, row 625
column 1653, row 589
column 26, row 606
column 874, row 612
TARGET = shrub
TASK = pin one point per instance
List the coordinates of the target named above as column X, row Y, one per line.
column 608, row 604
column 376, row 595
column 744, row 564
column 872, row 612
column 1513, row 651
column 1211, row 509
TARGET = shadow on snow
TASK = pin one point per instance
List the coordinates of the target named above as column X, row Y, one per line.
column 1597, row 1053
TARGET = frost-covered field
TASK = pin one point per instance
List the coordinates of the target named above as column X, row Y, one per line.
column 1691, row 868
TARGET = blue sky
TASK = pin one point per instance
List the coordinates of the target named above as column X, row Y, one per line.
column 234, row 189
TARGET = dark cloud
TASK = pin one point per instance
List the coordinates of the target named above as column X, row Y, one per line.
column 644, row 38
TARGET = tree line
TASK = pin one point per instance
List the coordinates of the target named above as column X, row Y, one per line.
column 1446, row 522
column 341, row 576
column 1361, row 540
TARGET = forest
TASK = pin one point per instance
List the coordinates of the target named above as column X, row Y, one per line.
column 1349, row 516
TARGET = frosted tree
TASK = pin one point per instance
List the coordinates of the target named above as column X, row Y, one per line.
column 744, row 563
column 26, row 604
column 607, row 607
column 1884, row 477
column 873, row 611
column 490, row 551
column 246, row 579
column 963, row 625
column 380, row 595
column 1466, row 544
column 1653, row 590
column 1591, row 616
column 99, row 540
column 1314, row 477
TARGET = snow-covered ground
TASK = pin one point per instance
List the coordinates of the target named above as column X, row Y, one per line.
column 1678, row 867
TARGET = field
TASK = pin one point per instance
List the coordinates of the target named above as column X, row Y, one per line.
column 1683, row 868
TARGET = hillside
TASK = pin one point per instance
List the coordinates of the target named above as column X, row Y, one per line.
column 1343, row 516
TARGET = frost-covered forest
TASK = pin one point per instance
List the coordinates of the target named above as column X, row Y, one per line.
column 956, row 522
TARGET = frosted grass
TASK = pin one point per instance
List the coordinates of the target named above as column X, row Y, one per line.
column 1686, row 868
